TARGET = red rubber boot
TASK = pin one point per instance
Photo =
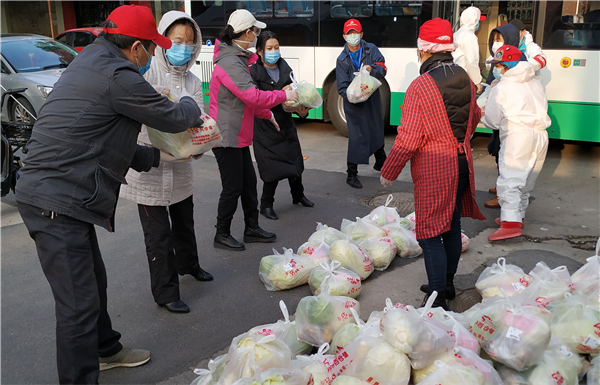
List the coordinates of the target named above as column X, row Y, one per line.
column 499, row 222
column 507, row 230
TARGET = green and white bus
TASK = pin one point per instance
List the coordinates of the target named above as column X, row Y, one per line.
column 310, row 33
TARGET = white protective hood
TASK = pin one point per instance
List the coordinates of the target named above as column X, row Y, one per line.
column 470, row 17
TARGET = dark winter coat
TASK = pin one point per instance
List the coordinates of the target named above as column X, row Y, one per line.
column 365, row 120
column 277, row 153
column 84, row 140
column 510, row 33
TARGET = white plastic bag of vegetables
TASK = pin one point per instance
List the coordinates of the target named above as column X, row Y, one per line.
column 381, row 250
column 362, row 86
column 459, row 334
column 319, row 317
column 351, row 257
column 326, row 234
column 453, row 375
column 384, row 214
column 317, row 365
column 510, row 333
column 280, row 376
column 545, row 289
column 587, row 278
column 348, row 380
column 284, row 331
column 284, row 271
column 376, row 361
column 423, row 339
column 211, row 375
column 593, row 375
column 317, row 251
column 406, row 242
column 341, row 281
column 308, row 95
column 366, row 229
column 576, row 323
column 251, row 353
column 499, row 276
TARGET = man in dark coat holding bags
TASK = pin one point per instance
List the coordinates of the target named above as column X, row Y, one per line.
column 365, row 119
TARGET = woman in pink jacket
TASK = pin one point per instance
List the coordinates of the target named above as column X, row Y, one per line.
column 234, row 102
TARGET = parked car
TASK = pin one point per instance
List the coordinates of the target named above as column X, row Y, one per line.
column 33, row 63
column 78, row 38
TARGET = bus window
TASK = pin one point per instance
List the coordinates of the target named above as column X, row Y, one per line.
column 351, row 9
column 280, row 9
column 397, row 8
column 572, row 25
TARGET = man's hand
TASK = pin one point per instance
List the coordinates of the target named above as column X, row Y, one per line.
column 368, row 68
column 302, row 110
column 166, row 157
column 274, row 122
column 291, row 95
column 479, row 88
column 385, row 182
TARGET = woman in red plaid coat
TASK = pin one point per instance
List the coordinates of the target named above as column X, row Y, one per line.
column 439, row 116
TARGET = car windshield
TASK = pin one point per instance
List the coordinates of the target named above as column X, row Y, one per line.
column 30, row 55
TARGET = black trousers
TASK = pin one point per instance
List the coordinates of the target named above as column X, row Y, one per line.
column 442, row 252
column 238, row 179
column 71, row 260
column 170, row 246
column 268, row 193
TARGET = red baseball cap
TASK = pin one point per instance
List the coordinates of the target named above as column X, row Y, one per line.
column 352, row 24
column 437, row 31
column 506, row 53
column 136, row 21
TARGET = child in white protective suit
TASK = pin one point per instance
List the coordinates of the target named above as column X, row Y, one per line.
column 518, row 108
column 466, row 53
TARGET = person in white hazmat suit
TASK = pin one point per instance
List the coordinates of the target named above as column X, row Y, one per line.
column 533, row 52
column 518, row 108
column 466, row 54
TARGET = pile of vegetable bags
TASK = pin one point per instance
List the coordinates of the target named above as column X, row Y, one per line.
column 539, row 328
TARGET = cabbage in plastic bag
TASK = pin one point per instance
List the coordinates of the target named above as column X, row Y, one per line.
column 282, row 272
column 362, row 86
column 317, row 251
column 406, row 242
column 383, row 215
column 326, row 234
column 499, row 276
column 576, row 323
column 316, row 365
column 308, row 95
column 453, row 375
column 211, row 375
column 341, row 281
column 381, row 250
column 351, row 257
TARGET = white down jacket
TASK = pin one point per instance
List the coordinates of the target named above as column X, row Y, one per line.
column 466, row 54
column 170, row 182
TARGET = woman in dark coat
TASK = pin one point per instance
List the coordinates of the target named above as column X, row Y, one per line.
column 278, row 153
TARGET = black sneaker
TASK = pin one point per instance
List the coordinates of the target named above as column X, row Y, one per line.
column 353, row 181
column 255, row 235
column 127, row 357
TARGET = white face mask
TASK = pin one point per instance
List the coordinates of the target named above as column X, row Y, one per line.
column 353, row 39
column 496, row 45
column 251, row 44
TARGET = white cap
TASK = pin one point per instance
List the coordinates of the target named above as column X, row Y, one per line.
column 242, row 19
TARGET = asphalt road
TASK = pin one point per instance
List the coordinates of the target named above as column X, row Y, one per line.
column 562, row 224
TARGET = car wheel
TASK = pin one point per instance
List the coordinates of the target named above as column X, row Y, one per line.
column 335, row 107
column 19, row 112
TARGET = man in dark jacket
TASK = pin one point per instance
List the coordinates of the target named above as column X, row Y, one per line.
column 365, row 120
column 81, row 148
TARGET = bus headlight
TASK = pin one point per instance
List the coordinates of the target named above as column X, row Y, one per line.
column 44, row 90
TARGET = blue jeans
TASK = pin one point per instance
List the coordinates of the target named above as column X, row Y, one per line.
column 442, row 252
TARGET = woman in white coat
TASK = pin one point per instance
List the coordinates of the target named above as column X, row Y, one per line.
column 466, row 54
column 164, row 195
column 518, row 108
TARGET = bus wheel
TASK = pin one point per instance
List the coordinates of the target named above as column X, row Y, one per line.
column 335, row 107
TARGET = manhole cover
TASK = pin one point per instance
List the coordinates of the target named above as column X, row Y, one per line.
column 465, row 300
column 403, row 201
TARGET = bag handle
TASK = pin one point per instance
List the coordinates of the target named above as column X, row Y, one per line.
column 429, row 302
column 294, row 82
column 389, row 200
column 357, row 319
column 323, row 349
column 284, row 310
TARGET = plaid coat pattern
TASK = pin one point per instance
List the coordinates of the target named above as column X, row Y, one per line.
column 425, row 138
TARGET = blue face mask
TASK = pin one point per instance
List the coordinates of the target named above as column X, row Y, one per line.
column 144, row 69
column 179, row 54
column 477, row 27
column 353, row 39
column 522, row 47
column 497, row 73
column 271, row 57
